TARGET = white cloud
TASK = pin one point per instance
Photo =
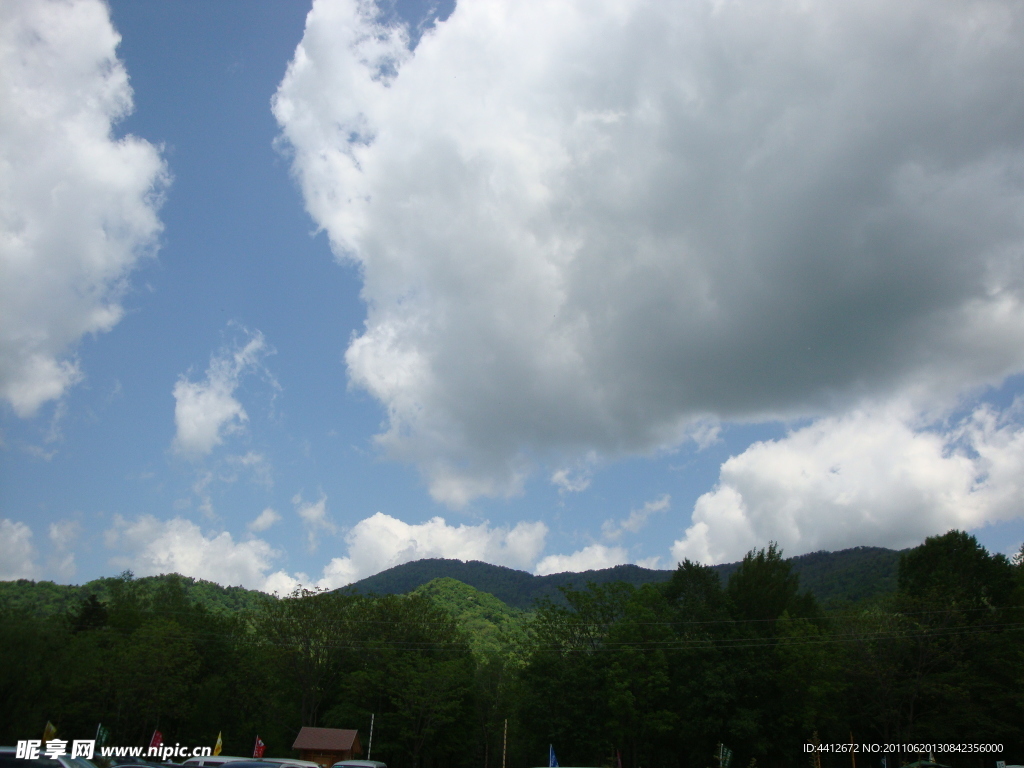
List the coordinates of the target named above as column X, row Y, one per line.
column 594, row 225
column 868, row 478
column 591, row 558
column 282, row 583
column 17, row 555
column 381, row 541
column 575, row 479
column 63, row 535
column 150, row 546
column 77, row 206
column 314, row 518
column 264, row 520
column 204, row 411
column 569, row 482
column 637, row 518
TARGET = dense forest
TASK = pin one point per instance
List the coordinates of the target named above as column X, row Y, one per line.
column 851, row 574
column 656, row 674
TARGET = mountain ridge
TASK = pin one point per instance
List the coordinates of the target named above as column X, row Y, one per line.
column 845, row 575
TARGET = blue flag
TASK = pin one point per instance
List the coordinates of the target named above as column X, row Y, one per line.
column 552, row 760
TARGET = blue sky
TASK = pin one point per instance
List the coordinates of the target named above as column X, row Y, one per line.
column 591, row 283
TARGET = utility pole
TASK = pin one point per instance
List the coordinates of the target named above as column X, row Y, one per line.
column 369, row 749
column 504, row 745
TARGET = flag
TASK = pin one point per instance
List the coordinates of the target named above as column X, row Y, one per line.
column 102, row 735
column 157, row 740
column 257, row 751
column 49, row 732
column 552, row 760
column 219, row 745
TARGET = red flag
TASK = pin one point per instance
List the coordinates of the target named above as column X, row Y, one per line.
column 257, row 751
column 157, row 740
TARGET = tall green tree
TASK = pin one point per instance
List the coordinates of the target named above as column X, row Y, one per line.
column 307, row 631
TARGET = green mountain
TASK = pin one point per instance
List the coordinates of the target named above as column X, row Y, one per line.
column 45, row 598
column 833, row 577
column 515, row 588
column 490, row 624
column 847, row 575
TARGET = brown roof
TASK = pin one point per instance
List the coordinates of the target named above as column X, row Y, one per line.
column 325, row 739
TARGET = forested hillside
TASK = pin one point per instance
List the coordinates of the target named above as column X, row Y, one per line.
column 491, row 625
column 851, row 574
column 655, row 675
column 45, row 598
column 848, row 575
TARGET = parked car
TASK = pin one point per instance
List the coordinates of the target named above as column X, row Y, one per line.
column 359, row 764
column 218, row 760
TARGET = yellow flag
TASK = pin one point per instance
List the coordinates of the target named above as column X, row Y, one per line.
column 49, row 732
column 219, row 745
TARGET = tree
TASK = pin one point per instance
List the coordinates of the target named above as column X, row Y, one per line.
column 307, row 629
column 764, row 587
column 404, row 659
column 955, row 570
column 958, row 601
column 91, row 615
column 696, row 592
column 768, row 638
column 154, row 671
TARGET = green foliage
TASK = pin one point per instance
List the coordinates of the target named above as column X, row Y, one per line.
column 832, row 577
column 510, row 586
column 44, row 598
column 848, row 576
column 303, row 632
column 656, row 674
column 493, row 628
column 662, row 676
column 955, row 569
column 404, row 659
column 764, row 588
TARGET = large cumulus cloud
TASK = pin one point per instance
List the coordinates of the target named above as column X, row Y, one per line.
column 587, row 225
column 150, row 546
column 77, row 206
column 872, row 477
